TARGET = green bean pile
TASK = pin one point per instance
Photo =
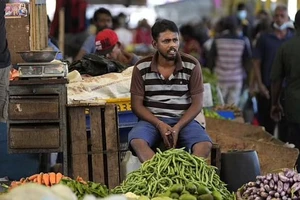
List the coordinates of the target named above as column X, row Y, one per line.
column 174, row 166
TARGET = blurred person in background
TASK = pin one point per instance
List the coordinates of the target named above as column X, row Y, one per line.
column 108, row 44
column 286, row 67
column 102, row 19
column 263, row 57
column 143, row 33
column 5, row 66
column 75, row 24
column 241, row 15
column 124, row 34
column 190, row 45
column 52, row 43
column 228, row 56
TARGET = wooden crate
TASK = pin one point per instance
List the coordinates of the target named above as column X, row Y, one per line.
column 95, row 154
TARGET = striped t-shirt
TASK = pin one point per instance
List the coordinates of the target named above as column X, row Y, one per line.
column 230, row 52
column 167, row 97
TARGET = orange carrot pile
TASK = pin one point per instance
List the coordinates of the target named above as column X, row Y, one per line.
column 47, row 179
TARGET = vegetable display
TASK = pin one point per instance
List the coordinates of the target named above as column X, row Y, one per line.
column 82, row 188
column 47, row 179
column 283, row 185
column 174, row 166
column 211, row 78
column 212, row 114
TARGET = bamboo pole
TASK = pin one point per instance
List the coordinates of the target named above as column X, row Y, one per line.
column 61, row 33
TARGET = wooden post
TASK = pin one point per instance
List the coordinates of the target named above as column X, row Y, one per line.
column 61, row 33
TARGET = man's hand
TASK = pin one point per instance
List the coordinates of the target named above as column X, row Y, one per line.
column 175, row 133
column 276, row 112
column 166, row 133
column 264, row 91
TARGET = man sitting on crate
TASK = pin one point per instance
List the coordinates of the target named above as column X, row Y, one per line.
column 166, row 95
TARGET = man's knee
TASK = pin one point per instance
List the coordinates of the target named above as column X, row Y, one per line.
column 202, row 149
column 137, row 143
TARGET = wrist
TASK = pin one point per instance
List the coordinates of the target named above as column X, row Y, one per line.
column 158, row 124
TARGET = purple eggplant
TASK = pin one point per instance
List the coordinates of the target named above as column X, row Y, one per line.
column 282, row 177
column 251, row 184
column 266, row 182
column 277, row 195
column 272, row 192
column 296, row 177
column 271, row 184
column 267, row 188
column 284, row 198
column 282, row 194
column 286, row 186
column 269, row 176
column 275, row 177
column 264, row 194
column 290, row 173
column 258, row 182
column 295, row 187
column 279, row 186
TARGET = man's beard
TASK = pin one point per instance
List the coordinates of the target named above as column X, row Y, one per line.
column 165, row 56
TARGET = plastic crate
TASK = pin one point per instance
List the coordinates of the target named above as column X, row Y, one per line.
column 123, row 104
column 226, row 114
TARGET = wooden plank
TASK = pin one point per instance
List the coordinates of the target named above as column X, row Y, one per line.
column 39, row 82
column 34, row 137
column 17, row 33
column 97, row 145
column 112, row 145
column 79, row 149
column 34, row 108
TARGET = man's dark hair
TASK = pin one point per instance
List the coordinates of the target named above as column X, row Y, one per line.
column 241, row 6
column 187, row 30
column 162, row 26
column 297, row 20
column 231, row 23
column 101, row 11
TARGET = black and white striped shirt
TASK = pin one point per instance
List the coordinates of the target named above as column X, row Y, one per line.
column 167, row 97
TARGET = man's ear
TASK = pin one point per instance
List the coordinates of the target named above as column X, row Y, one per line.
column 154, row 44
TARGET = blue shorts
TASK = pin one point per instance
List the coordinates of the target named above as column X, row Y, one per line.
column 191, row 134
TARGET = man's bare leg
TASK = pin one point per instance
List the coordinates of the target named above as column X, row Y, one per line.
column 202, row 149
column 142, row 149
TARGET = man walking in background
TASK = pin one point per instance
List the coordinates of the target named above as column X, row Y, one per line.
column 287, row 67
column 263, row 57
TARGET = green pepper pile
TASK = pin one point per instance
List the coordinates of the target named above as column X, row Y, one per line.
column 174, row 166
column 80, row 189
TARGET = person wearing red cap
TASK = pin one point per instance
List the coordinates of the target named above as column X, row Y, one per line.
column 107, row 44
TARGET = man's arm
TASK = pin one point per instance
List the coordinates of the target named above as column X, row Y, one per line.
column 141, row 111
column 212, row 54
column 87, row 47
column 257, row 56
column 277, row 76
column 192, row 112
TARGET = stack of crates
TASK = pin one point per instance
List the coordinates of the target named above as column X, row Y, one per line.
column 127, row 119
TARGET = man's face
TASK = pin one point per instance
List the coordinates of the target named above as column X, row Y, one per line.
column 103, row 21
column 167, row 44
column 280, row 17
column 113, row 55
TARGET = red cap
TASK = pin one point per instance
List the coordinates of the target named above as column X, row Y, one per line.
column 105, row 41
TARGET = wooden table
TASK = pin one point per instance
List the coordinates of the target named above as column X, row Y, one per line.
column 37, row 117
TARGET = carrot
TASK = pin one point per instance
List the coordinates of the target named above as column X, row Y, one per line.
column 46, row 179
column 52, row 177
column 59, row 176
column 40, row 178
column 31, row 178
column 22, row 180
column 34, row 180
